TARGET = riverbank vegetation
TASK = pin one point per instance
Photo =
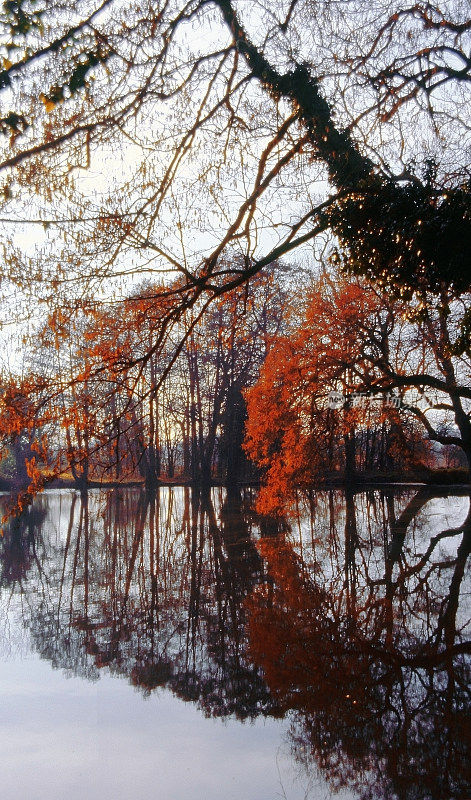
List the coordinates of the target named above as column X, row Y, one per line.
column 219, row 218
column 333, row 381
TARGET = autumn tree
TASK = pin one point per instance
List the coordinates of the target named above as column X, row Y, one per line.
column 130, row 399
column 224, row 357
column 26, row 422
column 360, row 382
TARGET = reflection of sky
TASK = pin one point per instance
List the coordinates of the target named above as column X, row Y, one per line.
column 65, row 738
column 69, row 739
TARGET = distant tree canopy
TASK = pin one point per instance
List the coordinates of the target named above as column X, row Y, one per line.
column 256, row 127
column 106, row 399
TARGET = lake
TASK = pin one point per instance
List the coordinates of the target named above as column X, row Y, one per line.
column 183, row 647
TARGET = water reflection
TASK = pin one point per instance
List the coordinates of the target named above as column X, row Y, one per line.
column 352, row 617
column 150, row 588
column 365, row 640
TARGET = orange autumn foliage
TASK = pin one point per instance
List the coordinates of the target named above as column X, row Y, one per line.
column 290, row 429
column 294, row 434
column 309, row 660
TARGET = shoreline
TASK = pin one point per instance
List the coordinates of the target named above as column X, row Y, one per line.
column 436, row 480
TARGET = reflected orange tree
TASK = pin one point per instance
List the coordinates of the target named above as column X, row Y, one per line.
column 369, row 652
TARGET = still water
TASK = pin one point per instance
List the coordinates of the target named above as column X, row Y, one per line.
column 183, row 648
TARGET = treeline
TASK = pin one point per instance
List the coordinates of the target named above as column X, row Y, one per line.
column 294, row 383
column 115, row 395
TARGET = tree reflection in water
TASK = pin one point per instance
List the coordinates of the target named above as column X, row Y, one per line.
column 347, row 617
column 21, row 539
column 150, row 587
column 364, row 640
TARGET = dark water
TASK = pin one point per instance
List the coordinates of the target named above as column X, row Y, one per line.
column 182, row 647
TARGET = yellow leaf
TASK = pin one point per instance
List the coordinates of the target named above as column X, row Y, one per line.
column 49, row 105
